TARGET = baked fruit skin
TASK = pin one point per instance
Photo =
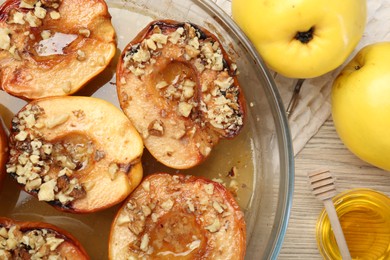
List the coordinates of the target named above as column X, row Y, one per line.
column 53, row 47
column 179, row 87
column 62, row 243
column 177, row 216
column 79, row 154
column 3, row 152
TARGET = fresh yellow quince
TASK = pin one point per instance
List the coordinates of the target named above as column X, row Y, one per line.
column 302, row 38
column 361, row 104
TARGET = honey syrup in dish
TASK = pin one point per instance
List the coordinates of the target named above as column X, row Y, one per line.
column 231, row 162
column 365, row 219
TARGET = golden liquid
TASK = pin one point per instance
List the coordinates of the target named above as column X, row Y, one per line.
column 365, row 219
column 93, row 229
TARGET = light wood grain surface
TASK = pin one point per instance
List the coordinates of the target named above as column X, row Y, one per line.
column 324, row 151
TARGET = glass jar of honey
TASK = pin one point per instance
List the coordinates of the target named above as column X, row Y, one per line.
column 365, row 219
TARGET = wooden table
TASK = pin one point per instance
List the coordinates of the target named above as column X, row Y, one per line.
column 324, row 151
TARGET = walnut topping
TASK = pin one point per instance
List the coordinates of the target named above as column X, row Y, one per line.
column 5, row 39
column 81, row 56
column 44, row 168
column 40, row 12
column 55, row 15
column 146, row 185
column 214, row 227
column 176, row 35
column 144, row 243
column 161, row 84
column 142, row 55
column 16, row 18
column 159, row 38
column 31, row 244
column 184, row 109
column 27, row 4
column 234, row 187
column 217, row 207
column 156, row 128
column 167, row 205
column 46, row 191
column 32, row 20
column 123, row 219
column 205, row 151
column 85, row 32
column 113, row 169
column 51, row 3
column 209, row 188
column 45, row 34
column 218, row 105
column 99, row 155
column 157, row 219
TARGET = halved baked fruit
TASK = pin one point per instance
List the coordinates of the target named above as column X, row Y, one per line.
column 179, row 88
column 37, row 240
column 178, row 217
column 80, row 154
column 3, row 151
column 53, row 47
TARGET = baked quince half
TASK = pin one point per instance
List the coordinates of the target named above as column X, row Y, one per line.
column 178, row 217
column 37, row 240
column 79, row 154
column 3, row 151
column 179, row 88
column 53, row 47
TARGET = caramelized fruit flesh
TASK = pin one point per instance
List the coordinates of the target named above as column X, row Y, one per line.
column 178, row 217
column 179, row 88
column 80, row 154
column 53, row 48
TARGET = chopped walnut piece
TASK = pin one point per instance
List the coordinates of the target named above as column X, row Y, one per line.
column 81, row 56
column 33, row 243
column 161, row 84
column 55, row 15
column 144, row 243
column 209, row 188
column 28, row 4
column 191, row 81
column 40, row 12
column 215, row 226
column 167, row 205
column 51, row 3
column 32, row 165
column 191, row 51
column 113, row 169
column 46, row 191
column 156, row 128
column 17, row 18
column 184, row 109
column 32, row 20
column 45, row 34
column 85, row 32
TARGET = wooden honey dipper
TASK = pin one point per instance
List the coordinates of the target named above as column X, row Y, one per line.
column 322, row 184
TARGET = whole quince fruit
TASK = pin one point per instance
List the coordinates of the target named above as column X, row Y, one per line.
column 302, row 39
column 361, row 104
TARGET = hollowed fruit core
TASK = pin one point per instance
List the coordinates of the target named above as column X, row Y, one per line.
column 177, row 235
column 74, row 151
column 174, row 74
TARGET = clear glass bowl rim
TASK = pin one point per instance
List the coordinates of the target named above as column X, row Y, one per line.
column 286, row 148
